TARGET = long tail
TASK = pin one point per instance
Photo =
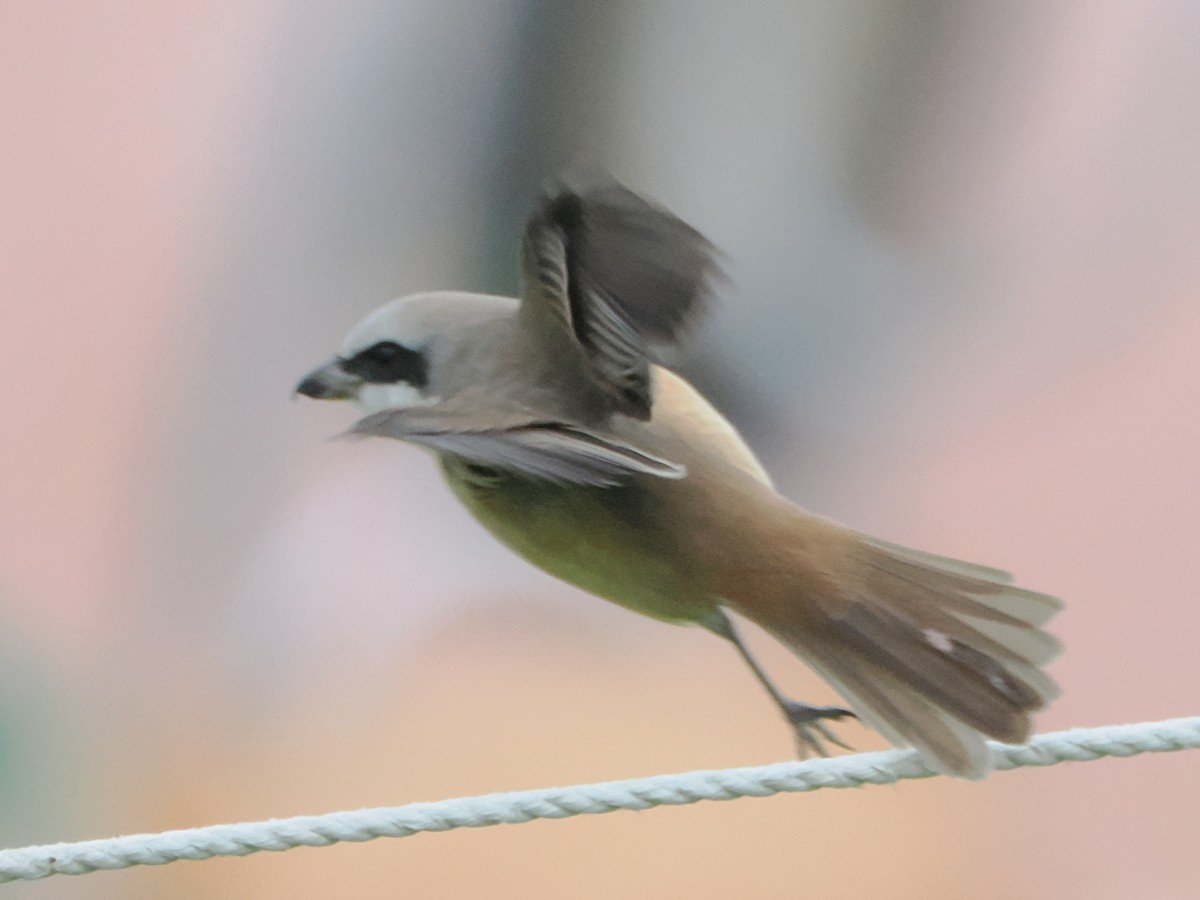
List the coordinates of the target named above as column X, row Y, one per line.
column 932, row 652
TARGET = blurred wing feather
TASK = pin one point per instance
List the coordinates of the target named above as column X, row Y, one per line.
column 549, row 450
column 614, row 273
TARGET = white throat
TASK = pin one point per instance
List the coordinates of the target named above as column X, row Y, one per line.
column 373, row 398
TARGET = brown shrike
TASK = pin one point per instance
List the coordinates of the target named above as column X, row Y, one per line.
column 556, row 428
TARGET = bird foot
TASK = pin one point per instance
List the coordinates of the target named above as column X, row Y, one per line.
column 811, row 730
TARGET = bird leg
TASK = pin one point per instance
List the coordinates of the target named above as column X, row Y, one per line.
column 806, row 720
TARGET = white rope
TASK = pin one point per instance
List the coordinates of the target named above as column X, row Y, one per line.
column 1078, row 745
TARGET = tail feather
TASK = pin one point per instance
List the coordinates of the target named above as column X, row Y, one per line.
column 991, row 589
column 903, row 716
column 1016, row 642
column 933, row 652
column 945, row 564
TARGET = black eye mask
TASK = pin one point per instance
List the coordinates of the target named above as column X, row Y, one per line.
column 389, row 363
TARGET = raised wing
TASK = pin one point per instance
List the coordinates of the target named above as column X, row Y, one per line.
column 610, row 271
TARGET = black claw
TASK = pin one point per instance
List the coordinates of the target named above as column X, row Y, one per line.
column 811, row 731
column 806, row 720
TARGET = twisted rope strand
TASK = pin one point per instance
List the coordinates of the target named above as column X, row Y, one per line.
column 1077, row 745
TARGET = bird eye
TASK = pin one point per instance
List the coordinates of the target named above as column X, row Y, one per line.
column 388, row 363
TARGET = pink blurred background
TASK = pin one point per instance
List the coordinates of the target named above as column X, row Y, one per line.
column 964, row 315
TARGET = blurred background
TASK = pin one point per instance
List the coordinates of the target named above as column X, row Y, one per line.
column 963, row 314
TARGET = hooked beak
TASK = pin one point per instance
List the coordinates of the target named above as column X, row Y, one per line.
column 330, row 382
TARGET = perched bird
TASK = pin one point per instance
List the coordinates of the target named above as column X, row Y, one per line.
column 556, row 428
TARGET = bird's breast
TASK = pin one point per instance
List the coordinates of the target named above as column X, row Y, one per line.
column 621, row 543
